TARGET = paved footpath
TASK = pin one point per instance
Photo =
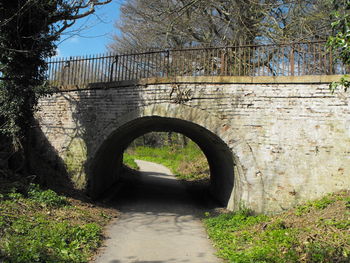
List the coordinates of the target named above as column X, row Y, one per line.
column 159, row 222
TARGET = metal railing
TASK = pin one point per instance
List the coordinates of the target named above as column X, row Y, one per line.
column 296, row 59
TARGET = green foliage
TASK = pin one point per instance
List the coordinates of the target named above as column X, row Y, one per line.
column 163, row 155
column 342, row 224
column 32, row 228
column 129, row 161
column 238, row 240
column 46, row 241
column 347, row 202
column 26, row 39
column 341, row 28
column 176, row 158
column 339, row 42
column 29, row 31
column 47, row 198
column 235, row 221
column 344, row 82
column 13, row 195
column 319, row 252
column 316, row 204
column 242, row 237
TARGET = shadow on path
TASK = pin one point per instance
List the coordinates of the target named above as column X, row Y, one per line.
column 160, row 220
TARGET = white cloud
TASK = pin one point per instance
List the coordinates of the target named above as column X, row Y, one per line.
column 73, row 40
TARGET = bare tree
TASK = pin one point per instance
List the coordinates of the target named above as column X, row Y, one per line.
column 180, row 23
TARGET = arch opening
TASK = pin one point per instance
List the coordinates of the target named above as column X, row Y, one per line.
column 106, row 167
column 175, row 151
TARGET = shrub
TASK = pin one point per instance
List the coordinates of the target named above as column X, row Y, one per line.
column 45, row 241
column 46, row 197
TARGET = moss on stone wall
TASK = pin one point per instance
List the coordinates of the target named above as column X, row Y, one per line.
column 75, row 158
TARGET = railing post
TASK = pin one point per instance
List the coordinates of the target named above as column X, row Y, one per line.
column 115, row 62
column 292, row 61
column 66, row 73
column 222, row 62
column 168, row 62
column 331, row 61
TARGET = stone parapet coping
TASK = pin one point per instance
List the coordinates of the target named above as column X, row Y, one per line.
column 315, row 79
column 244, row 79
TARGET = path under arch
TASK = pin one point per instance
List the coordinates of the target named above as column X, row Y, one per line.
column 106, row 164
column 159, row 222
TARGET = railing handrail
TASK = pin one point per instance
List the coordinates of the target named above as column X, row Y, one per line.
column 282, row 59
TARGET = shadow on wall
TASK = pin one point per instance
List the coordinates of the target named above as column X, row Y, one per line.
column 49, row 168
column 94, row 138
column 70, row 123
column 92, row 112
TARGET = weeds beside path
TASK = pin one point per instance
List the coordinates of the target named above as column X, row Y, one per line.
column 316, row 232
column 39, row 225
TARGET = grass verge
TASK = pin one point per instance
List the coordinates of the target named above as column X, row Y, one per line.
column 317, row 231
column 129, row 161
column 39, row 225
column 187, row 163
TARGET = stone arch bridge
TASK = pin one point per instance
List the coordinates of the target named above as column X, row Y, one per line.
column 271, row 142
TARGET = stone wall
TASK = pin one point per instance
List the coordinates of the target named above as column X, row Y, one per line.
column 289, row 141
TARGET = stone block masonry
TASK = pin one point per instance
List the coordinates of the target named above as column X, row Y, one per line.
column 284, row 140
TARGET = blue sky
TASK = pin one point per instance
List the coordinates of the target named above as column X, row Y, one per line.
column 91, row 34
